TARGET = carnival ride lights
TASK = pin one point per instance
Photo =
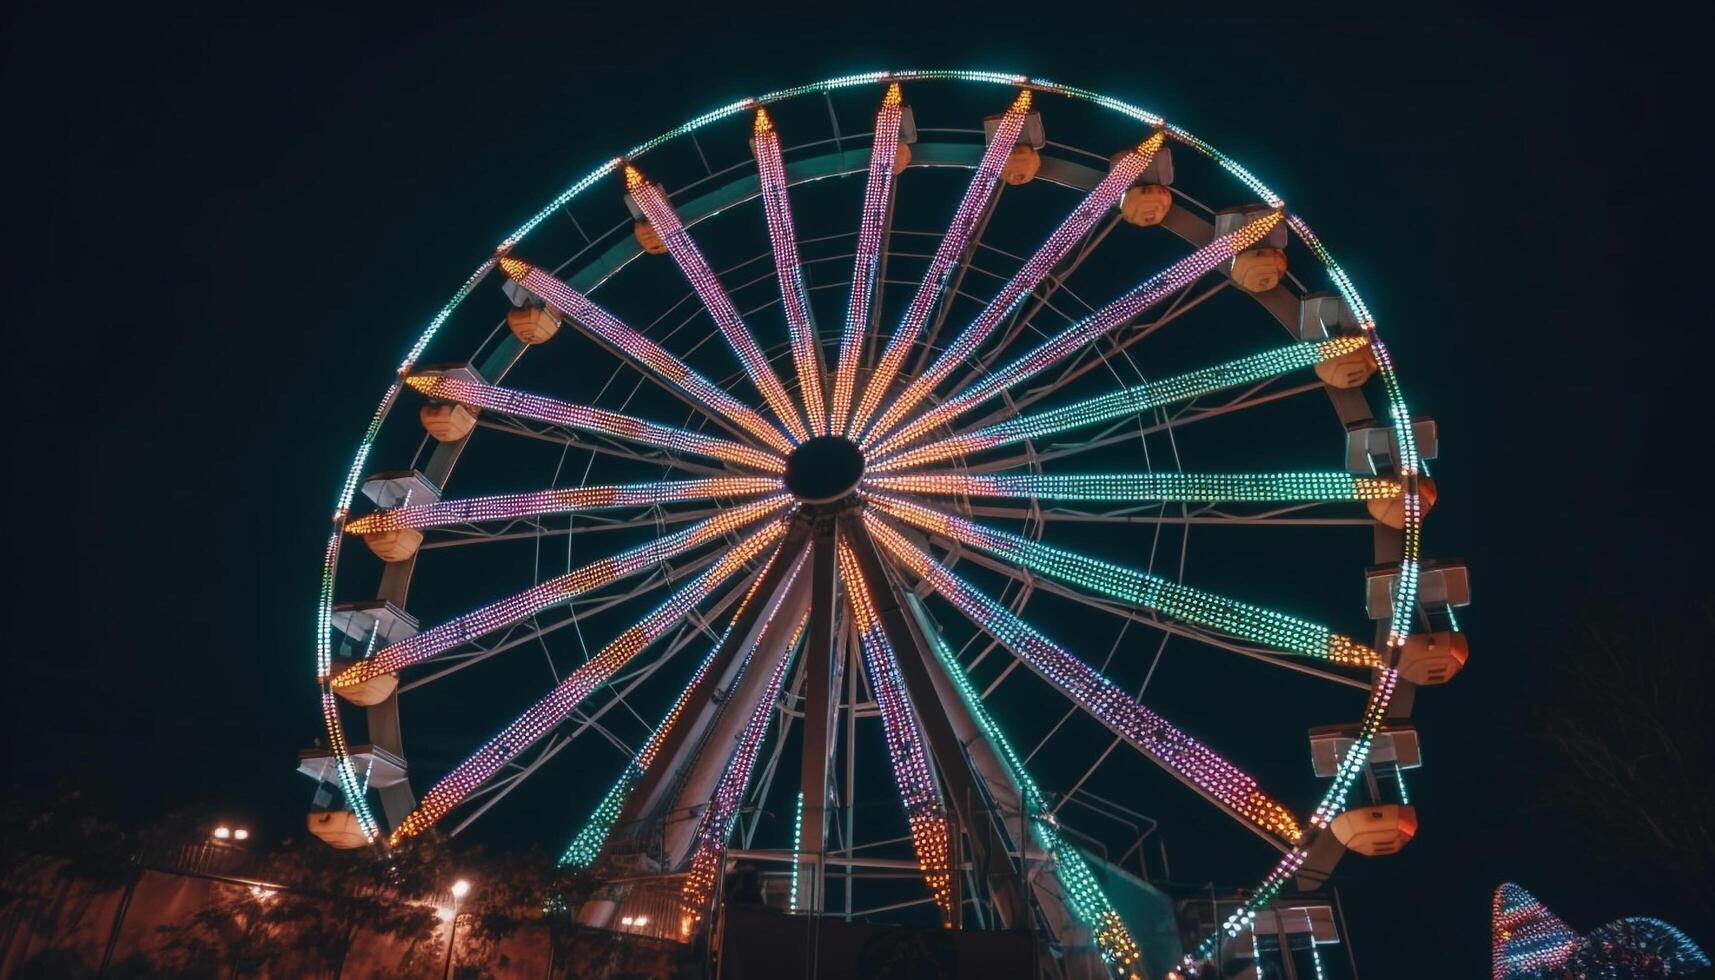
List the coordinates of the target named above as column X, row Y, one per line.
column 691, row 262
column 895, row 425
column 1531, row 943
column 1071, row 231
column 976, row 200
column 640, row 350
column 877, row 203
column 924, row 811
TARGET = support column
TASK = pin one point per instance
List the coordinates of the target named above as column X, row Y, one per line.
column 678, row 750
column 818, row 715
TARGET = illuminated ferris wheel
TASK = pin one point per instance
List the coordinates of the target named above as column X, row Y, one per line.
column 870, row 488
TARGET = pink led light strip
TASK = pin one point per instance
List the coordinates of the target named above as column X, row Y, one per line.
column 552, row 410
column 513, row 609
column 877, row 198
column 543, row 716
column 777, row 209
column 587, row 313
column 1071, row 231
column 571, row 499
column 696, row 269
column 976, row 199
column 1140, row 298
column 1192, row 762
column 717, row 823
column 924, row 811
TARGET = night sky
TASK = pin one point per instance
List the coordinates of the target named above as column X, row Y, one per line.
column 228, row 228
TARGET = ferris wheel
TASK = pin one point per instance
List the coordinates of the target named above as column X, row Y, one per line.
column 987, row 469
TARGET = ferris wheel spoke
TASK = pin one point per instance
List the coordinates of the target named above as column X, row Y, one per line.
column 1132, row 614
column 925, row 812
column 512, row 507
column 1119, row 431
column 877, row 204
column 716, row 827
column 1201, row 768
column 1126, row 401
column 600, row 421
column 546, row 714
column 602, row 445
column 1074, row 229
column 594, row 522
column 975, row 202
column 1242, row 620
column 1142, row 488
column 555, row 591
column 1089, row 358
column 587, row 845
column 1078, row 887
column 788, row 267
column 1293, row 515
column 532, row 630
column 1043, row 296
column 653, row 360
column 665, row 220
column 1141, row 298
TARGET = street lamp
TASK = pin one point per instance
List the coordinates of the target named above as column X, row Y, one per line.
column 460, row 889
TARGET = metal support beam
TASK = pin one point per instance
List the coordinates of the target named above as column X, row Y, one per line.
column 819, row 700
column 960, row 787
column 679, row 748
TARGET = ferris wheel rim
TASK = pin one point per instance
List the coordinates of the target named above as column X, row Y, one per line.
column 1401, row 417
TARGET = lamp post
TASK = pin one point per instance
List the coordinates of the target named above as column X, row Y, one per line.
column 461, row 888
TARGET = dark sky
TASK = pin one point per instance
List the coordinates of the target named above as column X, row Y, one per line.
column 228, row 228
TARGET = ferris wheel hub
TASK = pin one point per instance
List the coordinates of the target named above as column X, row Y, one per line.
column 824, row 469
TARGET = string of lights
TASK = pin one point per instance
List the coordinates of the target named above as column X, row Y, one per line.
column 640, row 349
column 503, row 507
column 924, row 811
column 1273, row 629
column 800, row 326
column 653, row 201
column 590, row 419
column 1139, row 299
column 1126, row 401
column 547, row 713
column 1171, row 487
column 1089, row 903
column 877, row 201
column 717, row 822
column 1071, row 231
column 976, row 200
column 587, row 845
column 1191, row 761
column 1528, row 939
column 561, row 588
